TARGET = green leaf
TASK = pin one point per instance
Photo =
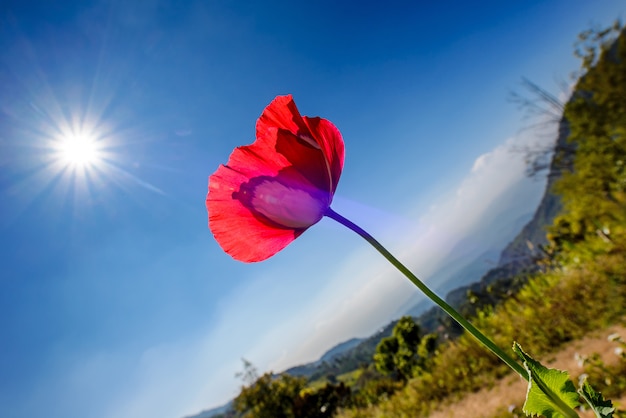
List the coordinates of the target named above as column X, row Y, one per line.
column 551, row 393
column 601, row 407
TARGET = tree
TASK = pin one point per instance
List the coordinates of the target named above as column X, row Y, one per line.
column 594, row 191
column 249, row 375
column 286, row 396
column 397, row 354
column 426, row 348
column 323, row 402
column 270, row 397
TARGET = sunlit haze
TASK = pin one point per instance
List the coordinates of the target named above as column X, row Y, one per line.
column 115, row 299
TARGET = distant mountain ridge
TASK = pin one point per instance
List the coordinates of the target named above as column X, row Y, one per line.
column 209, row 413
column 340, row 348
column 534, row 232
column 327, row 357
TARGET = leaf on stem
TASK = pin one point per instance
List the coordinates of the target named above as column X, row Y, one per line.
column 551, row 393
column 603, row 408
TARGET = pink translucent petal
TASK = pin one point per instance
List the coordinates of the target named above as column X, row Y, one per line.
column 237, row 230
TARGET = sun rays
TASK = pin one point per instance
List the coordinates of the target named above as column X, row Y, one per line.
column 73, row 160
column 79, row 152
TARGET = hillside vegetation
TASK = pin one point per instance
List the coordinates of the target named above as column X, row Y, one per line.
column 577, row 287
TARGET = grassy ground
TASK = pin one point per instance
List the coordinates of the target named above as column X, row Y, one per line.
column 506, row 398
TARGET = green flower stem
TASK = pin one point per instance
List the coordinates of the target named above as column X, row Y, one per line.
column 433, row 296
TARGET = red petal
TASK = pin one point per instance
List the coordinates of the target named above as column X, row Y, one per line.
column 322, row 167
column 291, row 155
column 331, row 143
column 236, row 229
column 280, row 113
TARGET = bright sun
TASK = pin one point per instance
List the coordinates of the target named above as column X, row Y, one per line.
column 79, row 150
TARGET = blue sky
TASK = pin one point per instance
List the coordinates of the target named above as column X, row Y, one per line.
column 115, row 301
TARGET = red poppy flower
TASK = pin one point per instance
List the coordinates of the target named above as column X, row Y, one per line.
column 271, row 191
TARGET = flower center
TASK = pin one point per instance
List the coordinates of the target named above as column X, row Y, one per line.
column 287, row 206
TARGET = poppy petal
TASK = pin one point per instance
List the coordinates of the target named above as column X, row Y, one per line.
column 281, row 113
column 281, row 126
column 237, row 230
column 271, row 191
column 331, row 143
